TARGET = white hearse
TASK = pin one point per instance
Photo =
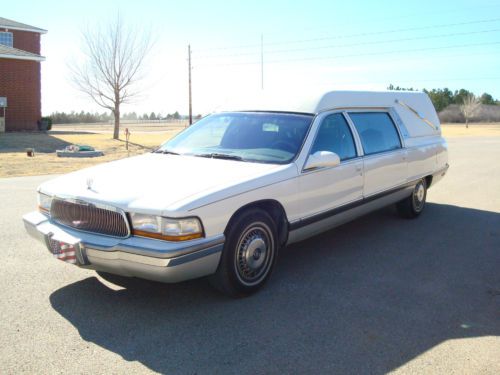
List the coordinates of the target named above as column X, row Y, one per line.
column 223, row 196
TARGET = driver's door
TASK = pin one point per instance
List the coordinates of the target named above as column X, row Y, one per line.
column 324, row 189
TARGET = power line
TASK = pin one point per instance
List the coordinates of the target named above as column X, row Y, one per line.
column 429, row 27
column 423, row 81
column 391, row 52
column 380, row 20
column 388, row 31
column 358, row 55
column 408, row 15
column 360, row 43
column 411, row 59
column 451, row 79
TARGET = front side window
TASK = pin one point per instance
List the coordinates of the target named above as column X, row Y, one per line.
column 247, row 136
column 6, row 38
column 377, row 131
column 334, row 135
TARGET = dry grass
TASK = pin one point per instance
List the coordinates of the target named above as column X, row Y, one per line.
column 474, row 130
column 14, row 162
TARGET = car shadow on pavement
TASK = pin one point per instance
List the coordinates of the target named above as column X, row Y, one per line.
column 366, row 297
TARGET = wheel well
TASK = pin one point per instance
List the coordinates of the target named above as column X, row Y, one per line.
column 428, row 181
column 274, row 209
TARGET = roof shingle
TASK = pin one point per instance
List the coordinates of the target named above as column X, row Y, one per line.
column 14, row 25
column 7, row 52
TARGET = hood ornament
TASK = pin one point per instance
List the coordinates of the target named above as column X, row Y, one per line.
column 90, row 181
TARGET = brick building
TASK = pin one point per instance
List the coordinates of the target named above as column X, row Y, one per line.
column 20, row 85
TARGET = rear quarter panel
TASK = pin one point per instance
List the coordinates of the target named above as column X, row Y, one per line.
column 426, row 155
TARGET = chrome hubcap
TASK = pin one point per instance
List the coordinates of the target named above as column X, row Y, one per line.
column 254, row 254
column 420, row 193
column 419, row 196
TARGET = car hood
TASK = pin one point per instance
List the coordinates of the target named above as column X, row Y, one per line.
column 153, row 183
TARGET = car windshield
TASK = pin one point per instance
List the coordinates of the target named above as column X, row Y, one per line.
column 262, row 137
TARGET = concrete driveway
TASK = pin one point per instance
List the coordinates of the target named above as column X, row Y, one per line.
column 376, row 295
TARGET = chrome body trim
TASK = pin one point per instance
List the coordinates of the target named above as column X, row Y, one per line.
column 304, row 229
column 416, row 113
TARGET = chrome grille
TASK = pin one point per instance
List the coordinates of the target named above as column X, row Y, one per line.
column 89, row 217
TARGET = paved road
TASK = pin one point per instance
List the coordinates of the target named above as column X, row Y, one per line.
column 377, row 295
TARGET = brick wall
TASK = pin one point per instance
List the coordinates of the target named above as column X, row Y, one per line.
column 25, row 40
column 20, row 83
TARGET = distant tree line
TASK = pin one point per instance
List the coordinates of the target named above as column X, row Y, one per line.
column 89, row 118
column 155, row 116
column 442, row 98
column 79, row 117
column 151, row 116
column 461, row 105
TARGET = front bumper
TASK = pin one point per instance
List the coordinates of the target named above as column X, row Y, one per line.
column 134, row 256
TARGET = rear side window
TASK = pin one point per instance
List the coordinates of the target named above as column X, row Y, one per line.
column 377, row 131
column 334, row 135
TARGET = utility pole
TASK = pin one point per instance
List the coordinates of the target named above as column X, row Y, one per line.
column 190, row 98
column 262, row 61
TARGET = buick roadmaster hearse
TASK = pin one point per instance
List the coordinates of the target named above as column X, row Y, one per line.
column 222, row 197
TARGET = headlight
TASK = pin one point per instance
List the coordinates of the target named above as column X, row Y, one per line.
column 44, row 202
column 146, row 223
column 166, row 228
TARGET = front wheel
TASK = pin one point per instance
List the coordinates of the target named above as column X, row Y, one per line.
column 249, row 254
column 413, row 206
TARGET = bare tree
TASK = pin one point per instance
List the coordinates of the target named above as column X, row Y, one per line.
column 469, row 106
column 111, row 67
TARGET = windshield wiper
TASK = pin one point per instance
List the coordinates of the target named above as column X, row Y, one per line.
column 216, row 155
column 159, row 151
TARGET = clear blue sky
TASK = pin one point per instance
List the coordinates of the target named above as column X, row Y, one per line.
column 327, row 44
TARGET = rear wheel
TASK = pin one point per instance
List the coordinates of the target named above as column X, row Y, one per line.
column 249, row 254
column 413, row 206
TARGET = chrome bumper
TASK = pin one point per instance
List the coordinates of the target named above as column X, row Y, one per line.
column 134, row 256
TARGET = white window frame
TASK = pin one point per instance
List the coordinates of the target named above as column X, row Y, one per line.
column 11, row 37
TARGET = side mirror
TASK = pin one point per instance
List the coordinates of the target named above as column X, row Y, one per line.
column 322, row 159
